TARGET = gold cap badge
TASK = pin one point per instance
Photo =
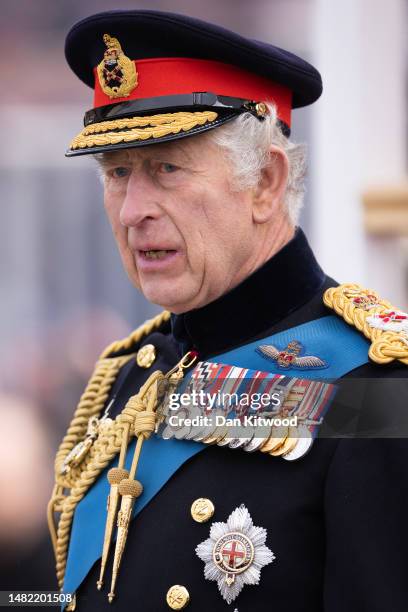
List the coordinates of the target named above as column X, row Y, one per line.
column 116, row 72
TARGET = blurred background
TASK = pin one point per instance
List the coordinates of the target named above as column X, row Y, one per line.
column 64, row 295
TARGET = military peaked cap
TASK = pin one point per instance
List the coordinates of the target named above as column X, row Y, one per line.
column 160, row 76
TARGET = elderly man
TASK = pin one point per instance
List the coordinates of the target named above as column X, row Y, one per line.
column 203, row 189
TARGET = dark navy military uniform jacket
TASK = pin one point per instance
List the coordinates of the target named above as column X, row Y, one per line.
column 336, row 519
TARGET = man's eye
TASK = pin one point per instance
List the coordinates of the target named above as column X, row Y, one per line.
column 120, row 172
column 168, row 168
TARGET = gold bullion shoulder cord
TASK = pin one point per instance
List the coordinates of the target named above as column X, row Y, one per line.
column 70, row 488
column 386, row 346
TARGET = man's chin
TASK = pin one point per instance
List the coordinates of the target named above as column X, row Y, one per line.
column 169, row 299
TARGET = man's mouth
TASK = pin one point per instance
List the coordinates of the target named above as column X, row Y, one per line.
column 156, row 254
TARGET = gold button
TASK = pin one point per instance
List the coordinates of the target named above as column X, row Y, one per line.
column 146, row 355
column 261, row 109
column 177, row 597
column 71, row 607
column 202, row 509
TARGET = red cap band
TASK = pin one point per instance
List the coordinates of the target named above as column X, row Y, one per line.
column 172, row 76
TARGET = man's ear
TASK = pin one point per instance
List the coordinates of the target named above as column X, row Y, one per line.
column 268, row 195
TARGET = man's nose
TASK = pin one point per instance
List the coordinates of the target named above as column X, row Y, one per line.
column 140, row 202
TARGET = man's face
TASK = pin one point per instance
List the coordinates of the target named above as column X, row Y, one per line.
column 184, row 236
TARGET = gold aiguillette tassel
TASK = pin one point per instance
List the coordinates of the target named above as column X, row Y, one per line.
column 115, row 476
column 144, row 425
column 129, row 488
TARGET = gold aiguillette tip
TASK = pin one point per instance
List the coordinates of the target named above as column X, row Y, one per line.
column 115, row 476
column 129, row 489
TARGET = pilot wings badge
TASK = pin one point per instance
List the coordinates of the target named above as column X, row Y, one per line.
column 291, row 356
column 235, row 553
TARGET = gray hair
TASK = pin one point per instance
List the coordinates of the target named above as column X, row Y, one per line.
column 246, row 142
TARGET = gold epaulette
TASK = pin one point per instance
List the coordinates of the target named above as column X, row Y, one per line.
column 382, row 323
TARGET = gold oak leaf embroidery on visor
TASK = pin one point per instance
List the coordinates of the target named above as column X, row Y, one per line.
column 140, row 128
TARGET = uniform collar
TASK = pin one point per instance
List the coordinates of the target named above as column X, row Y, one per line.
column 284, row 283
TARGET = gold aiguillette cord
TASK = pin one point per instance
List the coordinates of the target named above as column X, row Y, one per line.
column 123, row 484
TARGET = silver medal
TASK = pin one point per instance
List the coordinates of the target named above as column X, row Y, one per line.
column 303, row 445
column 196, row 430
column 256, row 442
column 248, row 434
